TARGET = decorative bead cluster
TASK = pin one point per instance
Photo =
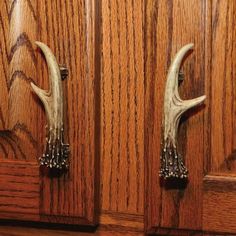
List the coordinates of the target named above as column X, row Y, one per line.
column 172, row 165
column 56, row 152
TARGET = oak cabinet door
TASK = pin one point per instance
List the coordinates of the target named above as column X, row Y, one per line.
column 68, row 28
column 206, row 135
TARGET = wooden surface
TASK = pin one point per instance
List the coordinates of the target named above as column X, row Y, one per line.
column 72, row 39
column 219, row 203
column 21, row 231
column 118, row 53
column 169, row 25
column 122, row 112
column 4, row 64
column 22, row 192
column 207, row 134
column 20, row 184
column 101, row 231
column 222, row 85
column 71, row 35
column 219, row 191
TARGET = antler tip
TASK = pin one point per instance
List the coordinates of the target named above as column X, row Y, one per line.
column 202, row 98
column 189, row 46
column 38, row 43
column 35, row 88
column 42, row 46
column 32, row 84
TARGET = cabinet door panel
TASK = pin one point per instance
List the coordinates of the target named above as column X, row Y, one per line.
column 169, row 26
column 207, row 137
column 68, row 28
column 19, row 171
column 219, row 183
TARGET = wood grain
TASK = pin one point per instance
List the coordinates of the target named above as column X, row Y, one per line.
column 22, row 192
column 222, row 84
column 22, row 69
column 15, row 73
column 69, row 30
column 219, row 203
column 118, row 54
column 122, row 108
column 4, row 72
column 19, row 171
column 20, row 231
column 101, row 231
column 133, row 222
column 168, row 26
column 72, row 38
column 218, row 200
column 208, row 135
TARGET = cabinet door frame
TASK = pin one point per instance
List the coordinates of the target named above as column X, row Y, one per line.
column 27, row 193
column 219, row 192
column 213, row 178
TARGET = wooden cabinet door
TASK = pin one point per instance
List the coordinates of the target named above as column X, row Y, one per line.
column 206, row 135
column 68, row 28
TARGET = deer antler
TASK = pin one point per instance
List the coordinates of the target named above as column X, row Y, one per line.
column 171, row 162
column 56, row 152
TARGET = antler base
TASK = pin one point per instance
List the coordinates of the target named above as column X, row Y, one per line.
column 172, row 165
column 56, row 152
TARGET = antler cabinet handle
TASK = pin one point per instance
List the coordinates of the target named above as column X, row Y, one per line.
column 172, row 165
column 56, row 152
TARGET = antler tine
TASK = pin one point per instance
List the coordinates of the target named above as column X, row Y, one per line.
column 173, row 73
